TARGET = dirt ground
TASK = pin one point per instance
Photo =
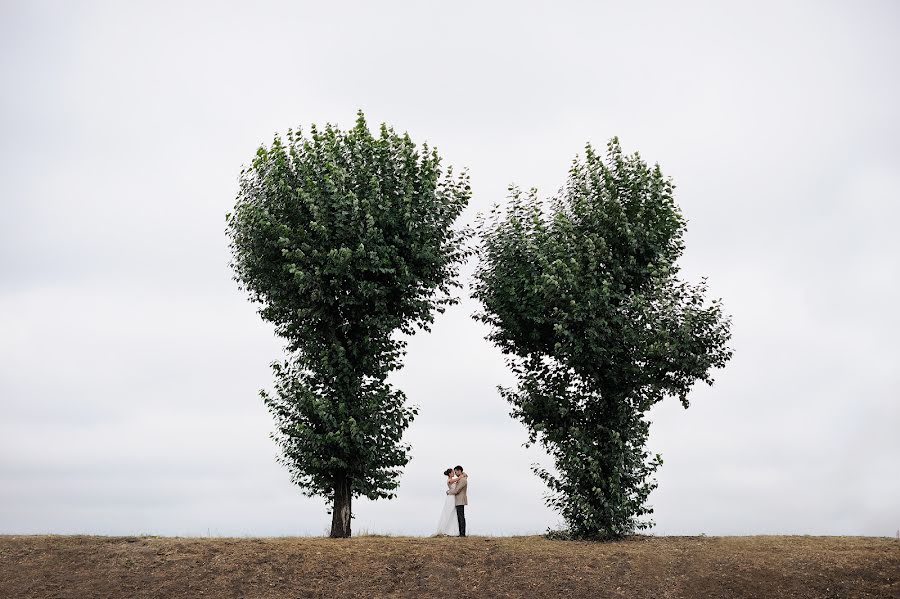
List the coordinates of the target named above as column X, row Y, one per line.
column 653, row 567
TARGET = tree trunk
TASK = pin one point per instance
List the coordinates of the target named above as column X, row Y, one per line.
column 340, row 518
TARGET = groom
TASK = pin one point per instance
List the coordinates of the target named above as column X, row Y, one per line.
column 461, row 499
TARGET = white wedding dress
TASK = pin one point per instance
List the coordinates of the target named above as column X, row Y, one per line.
column 448, row 524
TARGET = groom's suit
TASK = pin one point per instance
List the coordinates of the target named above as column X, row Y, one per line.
column 461, row 500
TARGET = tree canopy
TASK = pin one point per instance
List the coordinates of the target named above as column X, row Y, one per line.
column 345, row 239
column 582, row 294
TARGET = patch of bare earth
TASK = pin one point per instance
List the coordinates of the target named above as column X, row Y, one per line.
column 646, row 567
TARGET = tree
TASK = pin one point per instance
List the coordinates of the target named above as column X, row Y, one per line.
column 582, row 294
column 345, row 239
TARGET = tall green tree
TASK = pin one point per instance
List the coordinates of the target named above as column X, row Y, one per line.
column 345, row 239
column 582, row 294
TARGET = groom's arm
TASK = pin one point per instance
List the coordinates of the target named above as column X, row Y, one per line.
column 460, row 485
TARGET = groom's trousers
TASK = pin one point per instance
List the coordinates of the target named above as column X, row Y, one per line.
column 461, row 518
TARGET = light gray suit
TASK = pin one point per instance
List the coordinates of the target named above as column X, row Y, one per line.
column 460, row 491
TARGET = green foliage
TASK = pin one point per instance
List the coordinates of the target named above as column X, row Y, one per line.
column 581, row 293
column 559, row 535
column 344, row 239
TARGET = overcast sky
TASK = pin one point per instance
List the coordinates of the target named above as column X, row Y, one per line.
column 130, row 363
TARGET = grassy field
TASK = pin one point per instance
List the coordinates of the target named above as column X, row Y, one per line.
column 653, row 567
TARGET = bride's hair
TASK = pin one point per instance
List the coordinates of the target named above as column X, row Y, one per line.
column 448, row 471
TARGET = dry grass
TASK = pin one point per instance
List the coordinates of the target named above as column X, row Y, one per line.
column 372, row 566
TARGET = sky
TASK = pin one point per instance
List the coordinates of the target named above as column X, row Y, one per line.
column 130, row 363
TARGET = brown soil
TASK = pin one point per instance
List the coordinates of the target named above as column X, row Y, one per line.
column 652, row 567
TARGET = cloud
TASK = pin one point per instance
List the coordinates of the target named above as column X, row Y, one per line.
column 130, row 364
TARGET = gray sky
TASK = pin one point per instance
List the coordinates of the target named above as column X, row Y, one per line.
column 130, row 363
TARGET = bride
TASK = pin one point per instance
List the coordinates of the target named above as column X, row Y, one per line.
column 448, row 524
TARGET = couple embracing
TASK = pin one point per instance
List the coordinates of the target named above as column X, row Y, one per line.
column 457, row 500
